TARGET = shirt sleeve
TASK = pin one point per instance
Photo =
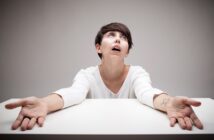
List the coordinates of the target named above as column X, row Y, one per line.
column 143, row 88
column 76, row 93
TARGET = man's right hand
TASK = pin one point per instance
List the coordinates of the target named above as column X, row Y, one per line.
column 33, row 111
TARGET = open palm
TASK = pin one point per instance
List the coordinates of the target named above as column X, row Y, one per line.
column 33, row 111
column 179, row 110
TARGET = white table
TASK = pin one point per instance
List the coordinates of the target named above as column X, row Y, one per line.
column 110, row 117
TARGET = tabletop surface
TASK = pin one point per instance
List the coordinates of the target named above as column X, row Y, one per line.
column 109, row 116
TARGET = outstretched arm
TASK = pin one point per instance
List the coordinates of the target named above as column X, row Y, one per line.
column 178, row 110
column 34, row 110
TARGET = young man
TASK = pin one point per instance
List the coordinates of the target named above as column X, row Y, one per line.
column 111, row 79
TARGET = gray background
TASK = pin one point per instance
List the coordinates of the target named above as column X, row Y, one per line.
column 44, row 43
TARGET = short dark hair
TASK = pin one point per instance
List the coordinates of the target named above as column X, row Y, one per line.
column 115, row 26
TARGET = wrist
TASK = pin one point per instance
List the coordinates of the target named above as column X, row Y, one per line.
column 44, row 104
column 53, row 102
column 162, row 101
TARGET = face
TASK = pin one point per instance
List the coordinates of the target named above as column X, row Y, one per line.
column 114, row 44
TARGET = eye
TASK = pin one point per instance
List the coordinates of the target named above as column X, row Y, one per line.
column 123, row 37
column 111, row 34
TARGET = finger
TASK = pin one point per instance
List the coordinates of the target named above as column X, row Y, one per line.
column 32, row 123
column 196, row 121
column 18, row 103
column 192, row 102
column 41, row 121
column 17, row 122
column 24, row 124
column 181, row 122
column 188, row 122
column 172, row 121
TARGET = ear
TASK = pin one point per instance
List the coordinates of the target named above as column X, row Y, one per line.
column 98, row 48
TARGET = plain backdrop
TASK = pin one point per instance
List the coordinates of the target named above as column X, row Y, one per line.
column 44, row 43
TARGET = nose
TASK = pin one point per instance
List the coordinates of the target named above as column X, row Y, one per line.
column 117, row 39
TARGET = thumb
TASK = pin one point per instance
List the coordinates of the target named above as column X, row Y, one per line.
column 192, row 102
column 16, row 104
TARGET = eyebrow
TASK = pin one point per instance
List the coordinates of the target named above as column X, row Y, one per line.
column 114, row 32
column 111, row 32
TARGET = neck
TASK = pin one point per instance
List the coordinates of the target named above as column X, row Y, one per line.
column 112, row 70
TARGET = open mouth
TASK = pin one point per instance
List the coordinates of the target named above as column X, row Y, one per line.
column 116, row 49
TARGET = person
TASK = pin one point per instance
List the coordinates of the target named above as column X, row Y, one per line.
column 112, row 78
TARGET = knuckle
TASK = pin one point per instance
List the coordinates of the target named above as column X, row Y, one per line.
column 32, row 98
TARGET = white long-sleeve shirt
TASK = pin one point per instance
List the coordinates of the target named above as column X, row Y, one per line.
column 89, row 84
